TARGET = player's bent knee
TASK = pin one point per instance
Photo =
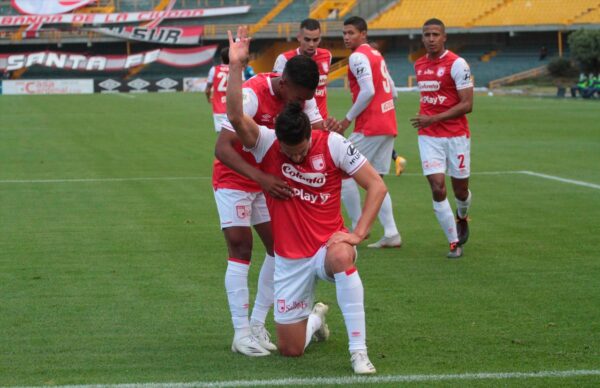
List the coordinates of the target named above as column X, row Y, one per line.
column 291, row 351
column 340, row 257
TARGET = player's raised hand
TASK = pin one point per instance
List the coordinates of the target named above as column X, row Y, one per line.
column 239, row 49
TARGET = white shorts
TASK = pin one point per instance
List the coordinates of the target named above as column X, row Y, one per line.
column 240, row 208
column 377, row 149
column 218, row 119
column 294, row 285
column 441, row 155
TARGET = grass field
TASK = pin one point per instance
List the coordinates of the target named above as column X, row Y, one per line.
column 112, row 261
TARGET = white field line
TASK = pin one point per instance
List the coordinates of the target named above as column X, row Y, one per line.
column 348, row 380
column 564, row 180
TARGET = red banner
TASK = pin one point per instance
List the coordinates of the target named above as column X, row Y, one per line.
column 184, row 57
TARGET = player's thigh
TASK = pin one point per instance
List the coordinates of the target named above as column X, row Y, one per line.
column 380, row 150
column 234, row 207
column 433, row 151
column 459, row 157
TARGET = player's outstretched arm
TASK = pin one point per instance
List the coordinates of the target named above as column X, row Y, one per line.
column 244, row 126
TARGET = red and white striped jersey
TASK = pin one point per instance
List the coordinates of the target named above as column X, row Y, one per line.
column 304, row 223
column 260, row 103
column 218, row 76
column 379, row 117
column 323, row 59
column 439, row 81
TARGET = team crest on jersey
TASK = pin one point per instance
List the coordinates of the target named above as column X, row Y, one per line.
column 325, row 66
column 242, row 211
column 318, row 162
column 441, row 71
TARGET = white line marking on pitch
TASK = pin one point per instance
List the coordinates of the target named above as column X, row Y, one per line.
column 564, row 180
column 349, row 380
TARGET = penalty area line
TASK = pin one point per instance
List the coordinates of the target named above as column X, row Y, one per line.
column 349, row 380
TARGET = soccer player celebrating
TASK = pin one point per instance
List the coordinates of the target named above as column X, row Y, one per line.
column 375, row 127
column 241, row 203
column 309, row 38
column 444, row 80
column 216, row 86
column 310, row 239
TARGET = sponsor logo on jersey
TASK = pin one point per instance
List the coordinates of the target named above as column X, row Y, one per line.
column 387, row 106
column 429, row 86
column 266, row 117
column 351, row 150
column 428, row 72
column 322, row 79
column 441, row 71
column 313, row 179
column 318, row 162
column 320, row 92
column 325, row 67
column 324, row 197
column 433, row 100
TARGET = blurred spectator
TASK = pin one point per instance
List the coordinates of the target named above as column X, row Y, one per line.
column 543, row 53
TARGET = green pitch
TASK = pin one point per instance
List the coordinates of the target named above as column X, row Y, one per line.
column 112, row 261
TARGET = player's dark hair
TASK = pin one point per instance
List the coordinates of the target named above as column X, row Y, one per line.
column 302, row 71
column 292, row 125
column 225, row 55
column 358, row 22
column 310, row 24
column 435, row 22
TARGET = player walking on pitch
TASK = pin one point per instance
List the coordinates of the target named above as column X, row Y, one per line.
column 375, row 127
column 444, row 80
column 310, row 239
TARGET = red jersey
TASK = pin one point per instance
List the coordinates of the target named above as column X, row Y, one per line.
column 379, row 117
column 260, row 103
column 439, row 81
column 218, row 77
column 323, row 59
column 304, row 223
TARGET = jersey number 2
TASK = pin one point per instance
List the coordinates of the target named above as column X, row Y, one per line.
column 222, row 86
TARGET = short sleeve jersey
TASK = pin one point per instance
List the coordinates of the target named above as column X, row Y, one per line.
column 323, row 59
column 304, row 223
column 439, row 81
column 379, row 117
column 260, row 103
column 218, row 77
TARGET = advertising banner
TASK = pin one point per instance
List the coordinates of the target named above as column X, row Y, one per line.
column 41, row 86
column 99, row 19
column 165, row 35
column 181, row 57
column 137, row 85
column 194, row 84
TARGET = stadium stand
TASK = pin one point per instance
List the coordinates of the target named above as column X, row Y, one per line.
column 412, row 13
column 538, row 12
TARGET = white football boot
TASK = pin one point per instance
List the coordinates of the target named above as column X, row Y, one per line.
column 322, row 334
column 361, row 363
column 263, row 337
column 387, row 242
column 249, row 346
